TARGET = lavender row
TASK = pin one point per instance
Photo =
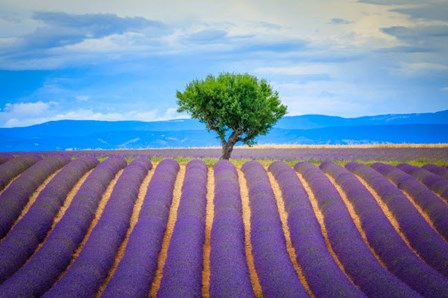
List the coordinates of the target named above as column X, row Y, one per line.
column 229, row 271
column 13, row 167
column 303, row 153
column 436, row 183
column 430, row 203
column 425, row 241
column 44, row 267
column 358, row 261
column 136, row 270
column 89, row 270
column 441, row 171
column 182, row 273
column 17, row 195
column 4, row 157
column 26, row 235
column 320, row 269
column 99, row 154
column 382, row 237
column 274, row 267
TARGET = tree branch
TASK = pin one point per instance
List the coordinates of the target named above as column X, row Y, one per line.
column 234, row 137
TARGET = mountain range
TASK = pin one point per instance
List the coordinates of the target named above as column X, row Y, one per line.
column 307, row 129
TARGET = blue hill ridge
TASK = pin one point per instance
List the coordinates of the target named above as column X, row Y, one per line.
column 306, row 129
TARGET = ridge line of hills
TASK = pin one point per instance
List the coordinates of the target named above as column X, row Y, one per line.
column 307, row 129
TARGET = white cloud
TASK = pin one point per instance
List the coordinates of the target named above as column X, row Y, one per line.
column 314, row 50
column 134, row 28
column 27, row 109
column 82, row 98
column 300, row 69
column 20, row 114
column 418, row 68
column 339, row 98
column 26, row 114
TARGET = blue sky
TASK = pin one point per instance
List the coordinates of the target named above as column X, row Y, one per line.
column 124, row 60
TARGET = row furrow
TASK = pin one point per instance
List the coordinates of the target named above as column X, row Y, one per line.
column 32, row 228
column 383, row 238
column 164, row 253
column 137, row 268
column 322, row 272
column 436, row 183
column 43, row 268
column 85, row 275
column 10, row 168
column 429, row 245
column 14, row 198
column 434, row 209
column 278, row 277
column 356, row 257
column 182, row 271
column 228, row 265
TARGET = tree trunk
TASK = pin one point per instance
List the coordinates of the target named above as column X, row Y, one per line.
column 227, row 149
column 227, row 146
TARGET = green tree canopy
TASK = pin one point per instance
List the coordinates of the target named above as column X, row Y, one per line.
column 238, row 107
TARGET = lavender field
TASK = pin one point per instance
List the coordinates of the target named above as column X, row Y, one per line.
column 387, row 153
column 73, row 224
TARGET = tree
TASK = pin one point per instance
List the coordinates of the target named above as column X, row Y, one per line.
column 238, row 107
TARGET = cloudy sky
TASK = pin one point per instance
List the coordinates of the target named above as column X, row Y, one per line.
column 124, row 60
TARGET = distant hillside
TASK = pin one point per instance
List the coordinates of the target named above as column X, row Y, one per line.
column 307, row 129
column 319, row 121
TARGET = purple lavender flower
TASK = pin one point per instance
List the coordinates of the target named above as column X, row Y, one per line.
column 229, row 275
column 136, row 270
column 424, row 197
column 182, row 273
column 4, row 157
column 382, row 237
column 274, row 267
column 320, row 269
column 441, row 171
column 435, row 182
column 357, row 259
column 85, row 276
column 426, row 242
column 40, row 272
column 24, row 238
column 13, row 167
column 15, row 197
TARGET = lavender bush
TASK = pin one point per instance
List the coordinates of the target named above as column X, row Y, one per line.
column 182, row 273
column 320, row 269
column 382, row 237
column 229, row 276
column 357, row 259
column 85, row 276
column 425, row 241
column 136, row 270
column 303, row 153
column 43, row 268
column 17, row 195
column 441, row 171
column 34, row 258
column 433, row 181
column 13, row 167
column 4, row 157
column 430, row 203
column 274, row 267
column 25, row 236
